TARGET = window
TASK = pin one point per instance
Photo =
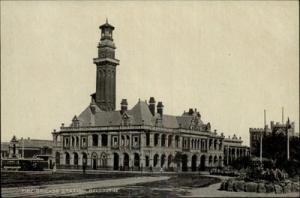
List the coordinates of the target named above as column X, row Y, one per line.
column 177, row 141
column 115, row 141
column 147, row 139
column 147, row 161
column 163, row 140
column 84, row 142
column 104, row 139
column 156, row 136
column 66, row 142
column 136, row 141
column 95, row 140
column 170, row 138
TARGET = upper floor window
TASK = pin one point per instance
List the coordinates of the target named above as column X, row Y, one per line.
column 95, row 140
column 104, row 139
column 147, row 139
column 84, row 142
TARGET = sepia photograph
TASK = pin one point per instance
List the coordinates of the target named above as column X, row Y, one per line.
column 150, row 99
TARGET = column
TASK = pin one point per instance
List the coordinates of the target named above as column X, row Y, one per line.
column 151, row 156
column 235, row 153
column 227, row 157
column 108, row 140
column 207, row 144
column 151, row 136
column 99, row 141
column 89, row 159
column 189, row 162
column 173, row 142
column 200, row 146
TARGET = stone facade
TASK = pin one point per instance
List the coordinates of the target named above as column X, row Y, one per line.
column 143, row 137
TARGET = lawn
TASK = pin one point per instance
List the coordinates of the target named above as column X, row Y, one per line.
column 19, row 179
column 176, row 186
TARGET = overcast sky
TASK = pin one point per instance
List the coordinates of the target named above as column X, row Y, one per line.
column 230, row 60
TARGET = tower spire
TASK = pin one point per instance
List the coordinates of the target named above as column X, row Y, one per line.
column 106, row 70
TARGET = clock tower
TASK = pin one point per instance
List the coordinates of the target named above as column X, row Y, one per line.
column 106, row 64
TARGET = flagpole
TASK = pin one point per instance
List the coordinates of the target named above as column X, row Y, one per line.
column 288, row 141
column 261, row 137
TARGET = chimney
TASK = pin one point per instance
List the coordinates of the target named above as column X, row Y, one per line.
column 160, row 108
column 152, row 105
column 124, row 105
column 93, row 106
column 191, row 111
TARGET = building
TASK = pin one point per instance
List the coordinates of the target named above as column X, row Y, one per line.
column 26, row 148
column 233, row 149
column 255, row 133
column 143, row 137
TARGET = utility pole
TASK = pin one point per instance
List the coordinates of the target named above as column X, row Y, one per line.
column 287, row 139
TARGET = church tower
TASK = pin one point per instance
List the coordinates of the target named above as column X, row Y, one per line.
column 106, row 70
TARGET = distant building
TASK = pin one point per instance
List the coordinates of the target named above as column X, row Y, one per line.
column 143, row 137
column 255, row 133
column 27, row 149
column 233, row 149
column 4, row 150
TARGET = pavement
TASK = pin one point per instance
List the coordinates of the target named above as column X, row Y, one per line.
column 73, row 189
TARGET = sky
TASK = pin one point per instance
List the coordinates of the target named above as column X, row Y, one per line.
column 230, row 60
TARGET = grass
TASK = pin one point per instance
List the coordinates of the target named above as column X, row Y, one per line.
column 20, row 179
column 176, row 186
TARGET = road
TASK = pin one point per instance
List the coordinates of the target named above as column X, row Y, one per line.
column 73, row 189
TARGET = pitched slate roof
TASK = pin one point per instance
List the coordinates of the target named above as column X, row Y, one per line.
column 138, row 115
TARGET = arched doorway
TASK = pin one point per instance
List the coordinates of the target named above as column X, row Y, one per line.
column 67, row 158
column 210, row 161
column 155, row 160
column 116, row 161
column 103, row 160
column 84, row 159
column 194, row 163
column 75, row 159
column 126, row 161
column 184, row 160
column 94, row 161
column 202, row 163
column 162, row 160
column 215, row 164
column 170, row 159
column 136, row 161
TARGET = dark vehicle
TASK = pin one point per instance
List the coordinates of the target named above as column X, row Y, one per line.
column 30, row 164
